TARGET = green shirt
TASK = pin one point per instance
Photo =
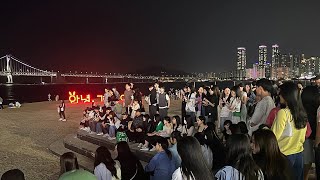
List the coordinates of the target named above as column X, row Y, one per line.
column 159, row 126
column 78, row 174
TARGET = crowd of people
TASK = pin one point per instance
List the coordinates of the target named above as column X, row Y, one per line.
column 260, row 130
column 242, row 132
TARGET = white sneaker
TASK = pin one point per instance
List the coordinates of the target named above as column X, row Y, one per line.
column 92, row 132
column 100, row 134
column 87, row 129
column 111, row 138
column 144, row 149
column 82, row 128
column 105, row 135
column 153, row 149
column 64, row 120
column 140, row 145
column 60, row 119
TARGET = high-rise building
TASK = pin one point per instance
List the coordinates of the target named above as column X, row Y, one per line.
column 262, row 55
column 262, row 60
column 275, row 62
column 241, row 63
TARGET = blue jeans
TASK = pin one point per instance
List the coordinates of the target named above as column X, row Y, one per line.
column 297, row 164
column 98, row 127
column 112, row 131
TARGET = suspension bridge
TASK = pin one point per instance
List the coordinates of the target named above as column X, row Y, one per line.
column 11, row 66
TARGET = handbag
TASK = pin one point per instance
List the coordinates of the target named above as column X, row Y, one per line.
column 287, row 132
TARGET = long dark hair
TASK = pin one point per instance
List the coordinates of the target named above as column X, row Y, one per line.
column 103, row 156
column 290, row 93
column 189, row 123
column 311, row 101
column 239, row 156
column 193, row 162
column 124, row 152
column 68, row 162
column 178, row 120
column 269, row 149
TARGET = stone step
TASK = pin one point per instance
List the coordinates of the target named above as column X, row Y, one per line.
column 73, row 143
column 85, row 148
column 110, row 144
column 57, row 148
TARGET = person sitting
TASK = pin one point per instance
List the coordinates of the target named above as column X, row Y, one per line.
column 124, row 124
column 93, row 122
column 193, row 164
column 206, row 151
column 135, row 107
column 113, row 126
column 151, row 137
column 161, row 165
column 131, row 167
column 239, row 161
column 13, row 174
column 188, row 126
column 176, row 123
column 70, row 168
column 268, row 157
column 84, row 123
column 174, row 138
column 137, row 129
column 105, row 168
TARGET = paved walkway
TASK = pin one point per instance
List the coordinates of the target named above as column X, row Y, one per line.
column 27, row 132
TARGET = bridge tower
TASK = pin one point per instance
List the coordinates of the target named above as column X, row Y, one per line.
column 8, row 70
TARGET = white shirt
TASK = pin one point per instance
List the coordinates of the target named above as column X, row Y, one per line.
column 191, row 103
column 230, row 173
column 177, row 175
column 103, row 173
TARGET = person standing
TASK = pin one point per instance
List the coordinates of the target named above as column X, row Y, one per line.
column 264, row 106
column 290, row 126
column 1, row 102
column 152, row 102
column 191, row 104
column 106, row 97
column 128, row 98
column 164, row 103
column 62, row 108
column 183, row 96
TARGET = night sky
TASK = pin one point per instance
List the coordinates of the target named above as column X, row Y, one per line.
column 123, row 36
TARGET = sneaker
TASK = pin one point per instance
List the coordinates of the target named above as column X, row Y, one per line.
column 153, row 149
column 87, row 129
column 64, row 120
column 100, row 134
column 140, row 145
column 111, row 138
column 82, row 128
column 60, row 119
column 105, row 135
column 92, row 132
column 144, row 149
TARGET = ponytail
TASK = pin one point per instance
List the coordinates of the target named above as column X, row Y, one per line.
column 168, row 152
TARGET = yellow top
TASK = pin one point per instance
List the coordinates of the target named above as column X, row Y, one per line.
column 288, row 145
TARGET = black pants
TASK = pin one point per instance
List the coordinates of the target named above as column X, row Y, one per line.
column 152, row 111
column 1, row 106
column 163, row 112
column 138, row 137
column 128, row 110
column 62, row 115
